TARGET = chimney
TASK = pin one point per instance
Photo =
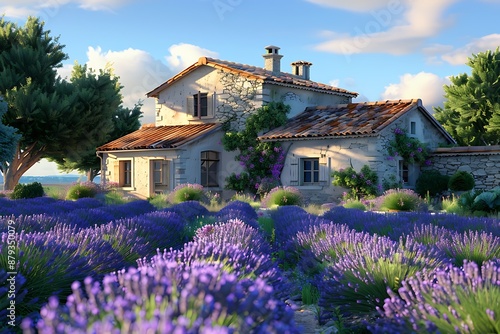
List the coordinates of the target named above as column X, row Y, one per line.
column 272, row 59
column 301, row 68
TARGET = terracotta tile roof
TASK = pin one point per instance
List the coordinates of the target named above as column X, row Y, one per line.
column 168, row 136
column 258, row 73
column 353, row 119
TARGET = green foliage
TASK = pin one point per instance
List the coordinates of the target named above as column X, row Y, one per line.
column 57, row 119
column 160, row 201
column 400, row 200
column 263, row 161
column 461, row 181
column 362, row 184
column 488, row 201
column 267, row 225
column 124, row 120
column 82, row 190
column 471, row 112
column 432, row 183
column 354, row 204
column 452, row 205
column 8, row 138
column 281, row 196
column 114, row 197
column 310, row 294
column 391, row 183
column 411, row 149
column 187, row 192
column 30, row 190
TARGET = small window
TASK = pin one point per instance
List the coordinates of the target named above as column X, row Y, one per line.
column 159, row 169
column 200, row 102
column 404, row 172
column 310, row 170
column 209, row 168
column 125, row 173
column 413, row 128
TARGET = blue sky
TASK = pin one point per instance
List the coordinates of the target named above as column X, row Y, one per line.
column 382, row 49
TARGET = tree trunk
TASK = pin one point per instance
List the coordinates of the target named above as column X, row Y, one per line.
column 20, row 164
column 92, row 173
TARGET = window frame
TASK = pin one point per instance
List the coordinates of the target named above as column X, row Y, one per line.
column 404, row 172
column 314, row 170
column 209, row 159
column 200, row 101
column 125, row 173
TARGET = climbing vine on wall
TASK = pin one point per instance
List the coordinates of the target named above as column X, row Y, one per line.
column 262, row 161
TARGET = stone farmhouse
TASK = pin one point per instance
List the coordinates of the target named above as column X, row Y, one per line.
column 326, row 130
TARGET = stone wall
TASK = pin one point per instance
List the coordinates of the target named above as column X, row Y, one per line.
column 482, row 161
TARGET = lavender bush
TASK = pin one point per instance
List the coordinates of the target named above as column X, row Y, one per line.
column 458, row 300
column 168, row 298
column 357, row 282
column 48, row 265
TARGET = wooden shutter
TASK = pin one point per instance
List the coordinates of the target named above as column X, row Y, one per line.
column 294, row 171
column 211, row 100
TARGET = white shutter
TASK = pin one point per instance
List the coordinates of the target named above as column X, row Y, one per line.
column 190, row 106
column 294, row 171
column 324, row 170
column 211, row 105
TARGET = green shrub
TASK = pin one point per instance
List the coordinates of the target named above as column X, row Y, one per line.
column 82, row 190
column 30, row 190
column 281, row 196
column 362, row 184
column 400, row 200
column 452, row 205
column 461, row 181
column 488, row 201
column 159, row 201
column 354, row 204
column 187, row 192
column 431, row 182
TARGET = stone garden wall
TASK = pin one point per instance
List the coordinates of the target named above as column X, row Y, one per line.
column 482, row 161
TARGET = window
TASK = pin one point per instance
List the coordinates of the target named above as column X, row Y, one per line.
column 200, row 102
column 310, row 170
column 159, row 171
column 404, row 172
column 125, row 173
column 201, row 105
column 209, row 168
column 413, row 128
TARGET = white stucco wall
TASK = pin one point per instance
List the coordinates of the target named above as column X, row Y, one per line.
column 342, row 152
column 184, row 165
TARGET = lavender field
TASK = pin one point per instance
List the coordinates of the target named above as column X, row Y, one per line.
column 86, row 267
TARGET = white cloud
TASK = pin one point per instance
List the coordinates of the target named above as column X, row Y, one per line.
column 423, row 85
column 139, row 73
column 184, row 55
column 461, row 55
column 398, row 27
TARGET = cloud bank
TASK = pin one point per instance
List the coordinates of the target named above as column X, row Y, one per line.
column 395, row 27
column 423, row 85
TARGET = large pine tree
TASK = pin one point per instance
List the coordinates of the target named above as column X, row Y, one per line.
column 471, row 112
column 55, row 117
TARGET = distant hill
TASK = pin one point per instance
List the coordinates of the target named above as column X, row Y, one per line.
column 52, row 179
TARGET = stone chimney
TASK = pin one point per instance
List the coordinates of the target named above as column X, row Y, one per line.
column 301, row 68
column 272, row 59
